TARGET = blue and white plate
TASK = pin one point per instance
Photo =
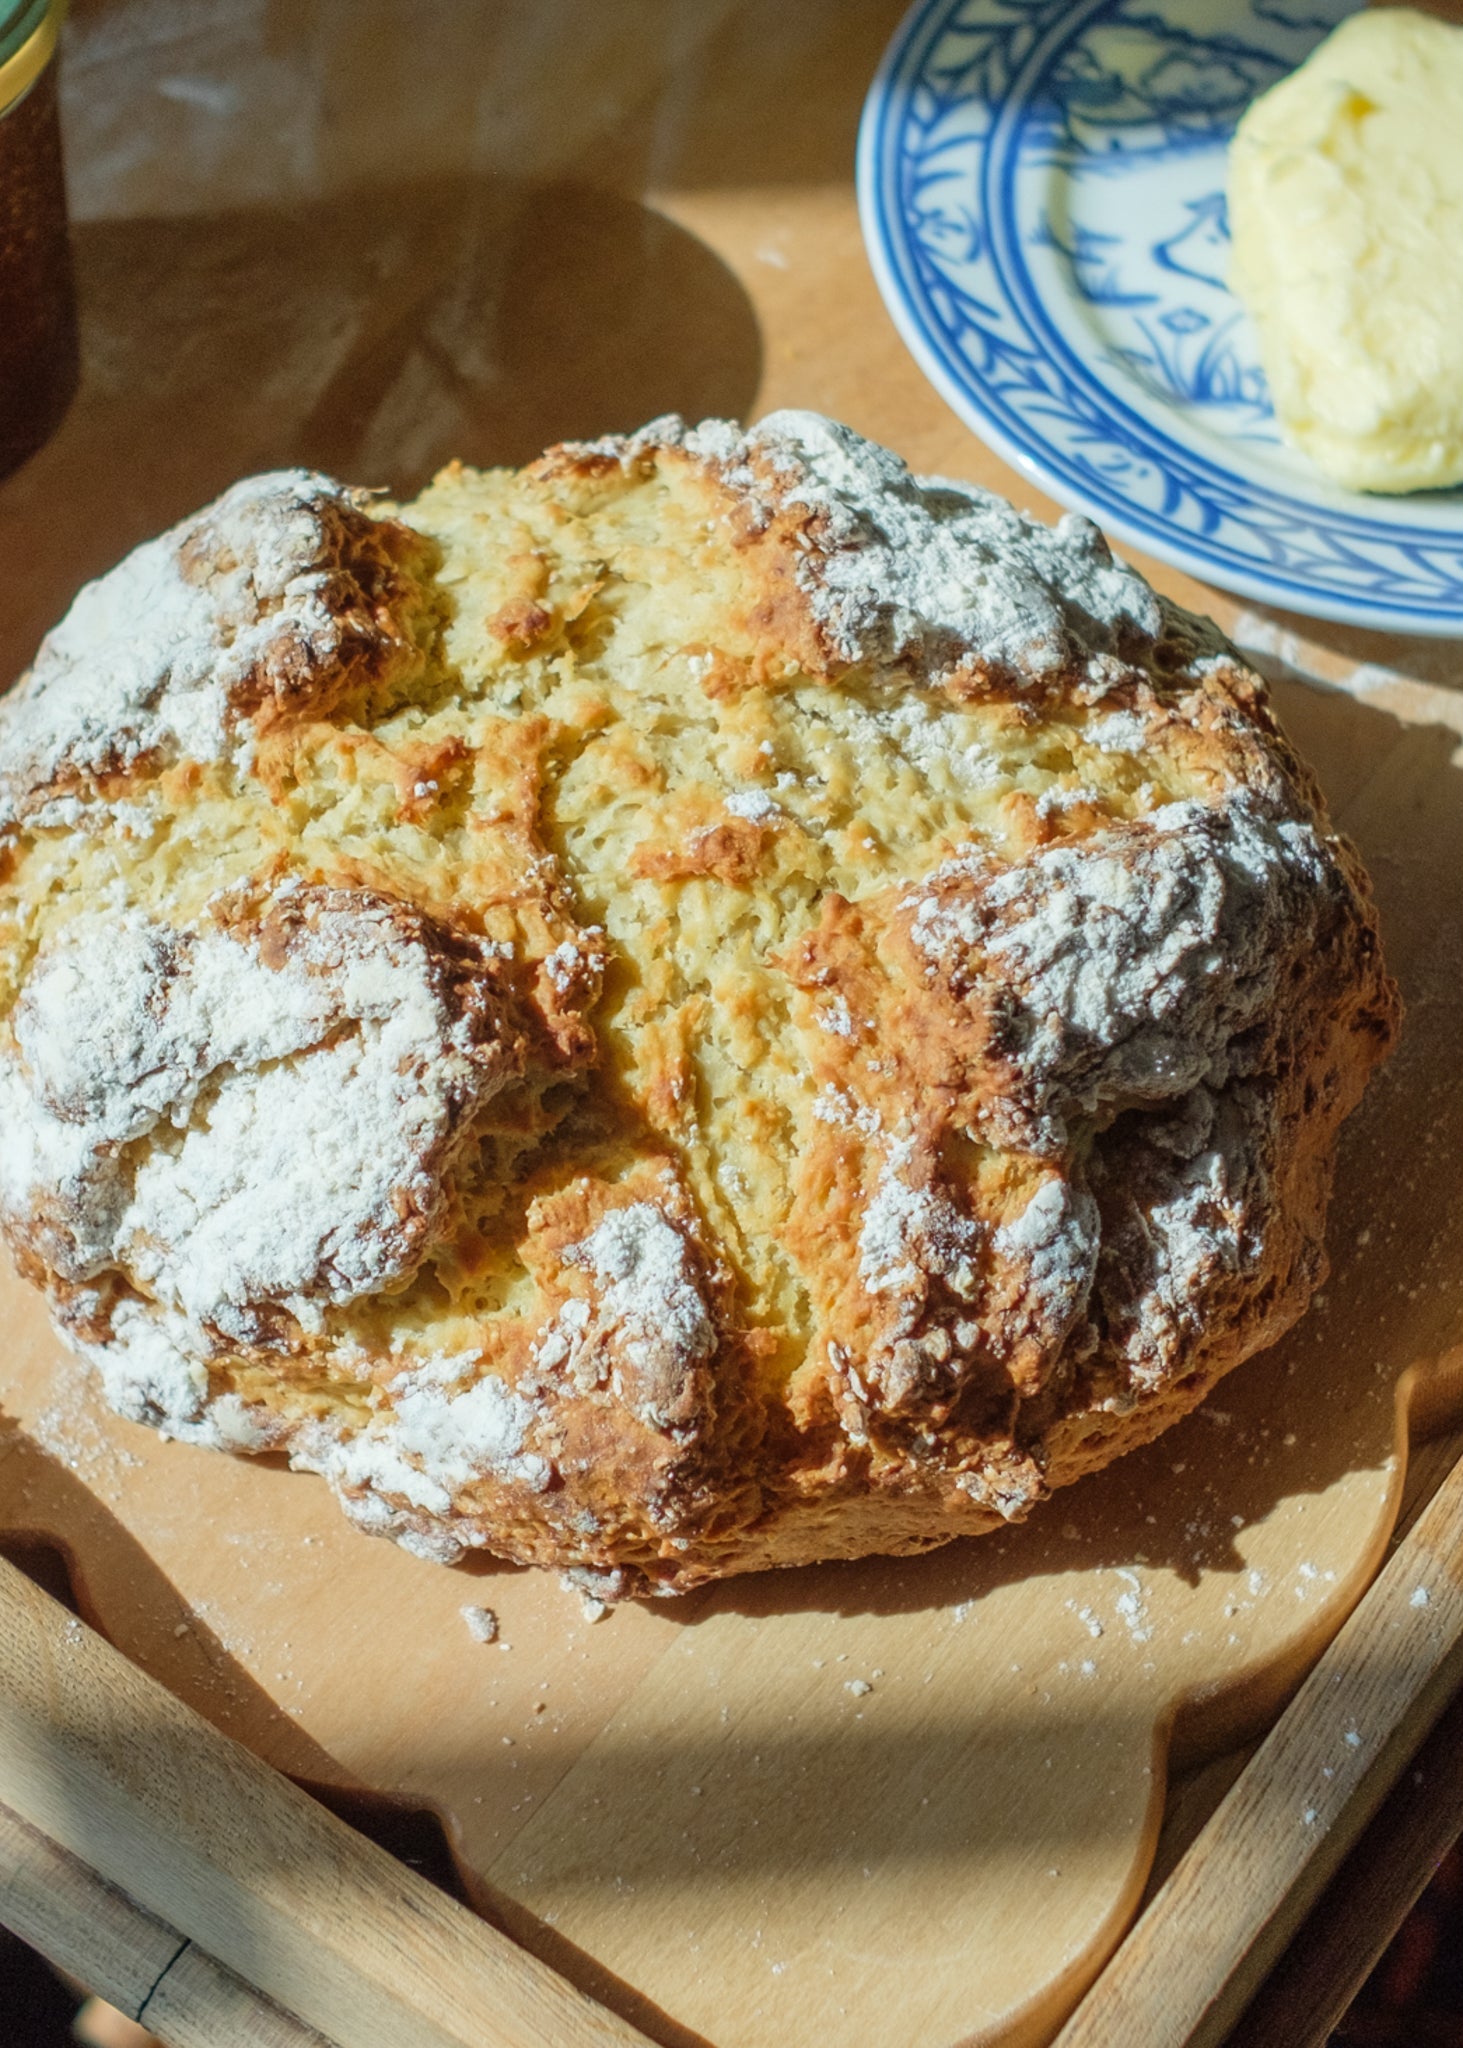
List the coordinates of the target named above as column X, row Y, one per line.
column 1042, row 191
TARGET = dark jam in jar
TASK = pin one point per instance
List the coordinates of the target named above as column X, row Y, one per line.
column 38, row 352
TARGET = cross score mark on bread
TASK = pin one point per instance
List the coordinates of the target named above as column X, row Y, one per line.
column 703, row 1005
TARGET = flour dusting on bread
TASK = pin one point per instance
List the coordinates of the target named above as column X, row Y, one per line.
column 283, row 588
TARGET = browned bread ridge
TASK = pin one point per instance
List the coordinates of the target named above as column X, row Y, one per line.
column 702, row 1005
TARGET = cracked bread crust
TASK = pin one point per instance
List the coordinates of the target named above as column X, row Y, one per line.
column 706, row 1004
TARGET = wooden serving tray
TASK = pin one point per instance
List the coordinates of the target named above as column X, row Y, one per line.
column 692, row 1820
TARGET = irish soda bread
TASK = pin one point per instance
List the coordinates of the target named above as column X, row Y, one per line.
column 702, row 1006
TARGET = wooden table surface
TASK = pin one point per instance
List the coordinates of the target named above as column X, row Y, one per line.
column 371, row 236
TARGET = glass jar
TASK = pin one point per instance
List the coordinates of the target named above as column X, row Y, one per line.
column 38, row 349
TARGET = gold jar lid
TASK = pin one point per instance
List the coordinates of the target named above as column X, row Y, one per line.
column 28, row 30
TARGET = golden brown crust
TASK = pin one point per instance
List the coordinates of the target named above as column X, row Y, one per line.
column 707, row 1005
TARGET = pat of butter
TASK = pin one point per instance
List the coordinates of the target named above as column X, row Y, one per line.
column 1346, row 208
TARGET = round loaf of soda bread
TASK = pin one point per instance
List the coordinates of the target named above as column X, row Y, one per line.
column 703, row 1005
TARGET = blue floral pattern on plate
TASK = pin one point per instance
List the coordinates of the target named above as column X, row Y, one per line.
column 1042, row 191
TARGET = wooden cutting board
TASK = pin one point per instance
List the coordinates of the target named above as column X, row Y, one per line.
column 886, row 1803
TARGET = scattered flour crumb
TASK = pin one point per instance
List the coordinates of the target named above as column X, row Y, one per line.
column 1420, row 1597
column 859, row 1687
column 1133, row 1609
column 482, row 1623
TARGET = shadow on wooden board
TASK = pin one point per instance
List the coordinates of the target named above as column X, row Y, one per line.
column 48, row 1516
column 189, row 1659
